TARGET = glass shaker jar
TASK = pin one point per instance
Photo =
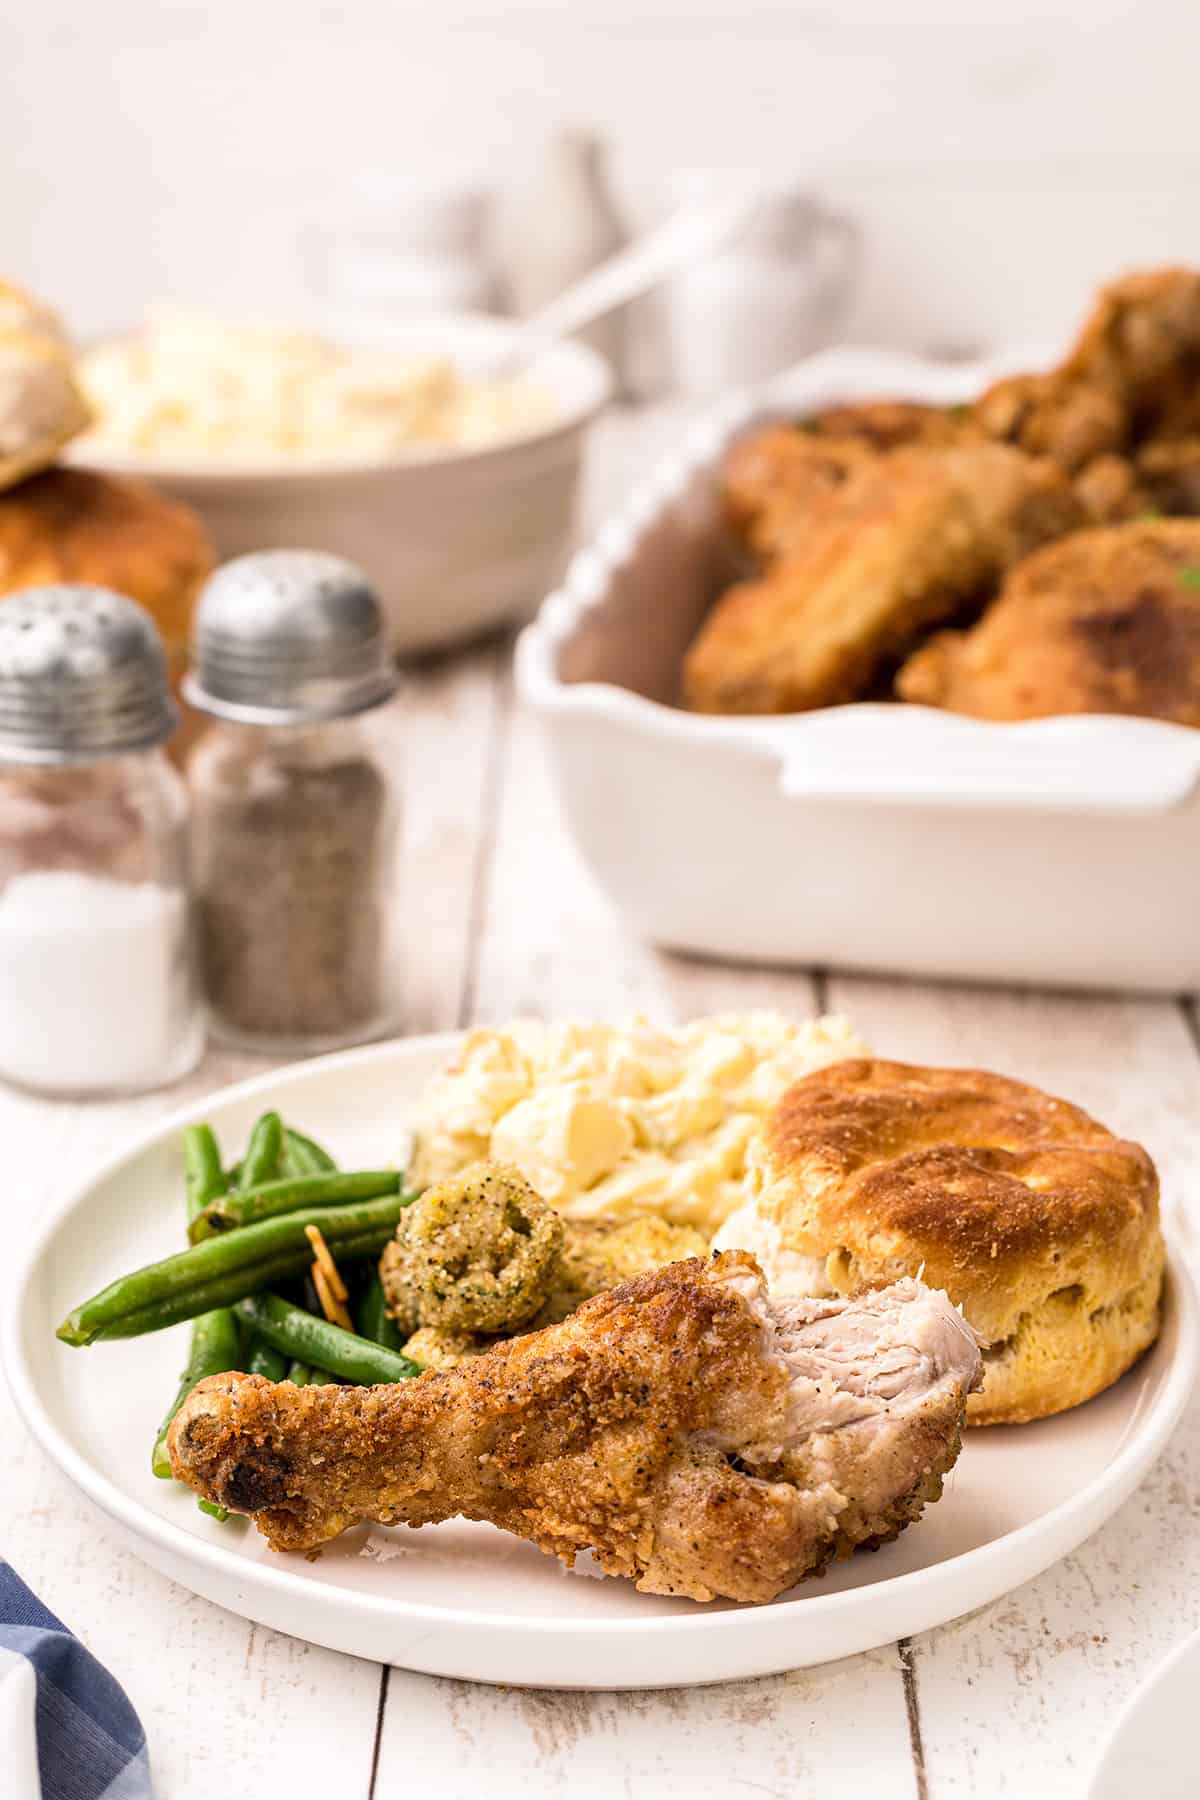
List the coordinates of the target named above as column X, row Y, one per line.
column 99, row 986
column 294, row 804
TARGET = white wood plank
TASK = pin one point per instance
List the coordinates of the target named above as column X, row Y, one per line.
column 805, row 1736
column 1013, row 1701
column 449, row 711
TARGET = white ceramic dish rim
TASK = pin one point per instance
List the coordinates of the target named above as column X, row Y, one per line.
column 1155, row 764
column 1141, row 1447
column 1140, row 1697
column 586, row 378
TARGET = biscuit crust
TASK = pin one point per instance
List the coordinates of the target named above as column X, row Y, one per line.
column 1037, row 1220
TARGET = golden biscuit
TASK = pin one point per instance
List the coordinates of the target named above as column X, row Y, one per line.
column 1035, row 1219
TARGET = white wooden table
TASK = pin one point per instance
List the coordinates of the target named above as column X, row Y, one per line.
column 501, row 919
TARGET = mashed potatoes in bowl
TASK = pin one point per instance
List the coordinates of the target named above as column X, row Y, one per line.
column 190, row 385
column 620, row 1121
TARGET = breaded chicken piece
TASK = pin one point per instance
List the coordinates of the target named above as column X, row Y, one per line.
column 773, row 479
column 1134, row 373
column 893, row 424
column 1108, row 621
column 1057, row 415
column 1168, row 475
column 696, row 1436
column 898, row 547
column 1111, row 490
column 1141, row 340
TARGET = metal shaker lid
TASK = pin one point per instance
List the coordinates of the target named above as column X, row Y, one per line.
column 288, row 637
column 82, row 677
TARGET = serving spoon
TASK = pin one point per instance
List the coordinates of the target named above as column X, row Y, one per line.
column 686, row 237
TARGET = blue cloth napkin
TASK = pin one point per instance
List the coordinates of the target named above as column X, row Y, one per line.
column 67, row 1731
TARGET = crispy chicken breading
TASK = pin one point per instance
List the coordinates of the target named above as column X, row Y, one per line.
column 696, row 1436
column 1133, row 374
column 892, row 424
column 1058, row 415
column 1111, row 490
column 1107, row 621
column 899, row 546
column 1141, row 340
column 1168, row 475
column 774, row 479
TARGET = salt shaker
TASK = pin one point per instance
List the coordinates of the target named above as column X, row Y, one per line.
column 99, row 987
column 294, row 800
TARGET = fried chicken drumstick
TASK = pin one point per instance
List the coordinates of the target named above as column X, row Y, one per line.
column 695, row 1435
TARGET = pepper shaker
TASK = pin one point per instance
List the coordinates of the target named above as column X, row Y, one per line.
column 99, row 989
column 294, row 801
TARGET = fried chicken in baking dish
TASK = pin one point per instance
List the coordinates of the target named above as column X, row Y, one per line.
column 695, row 1435
column 901, row 544
column 1107, row 621
column 874, row 522
column 773, row 478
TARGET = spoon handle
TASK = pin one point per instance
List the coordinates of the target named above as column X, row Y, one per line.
column 684, row 238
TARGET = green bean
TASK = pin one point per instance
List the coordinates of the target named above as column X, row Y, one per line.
column 250, row 1206
column 204, row 1178
column 261, row 1161
column 223, row 1292
column 214, row 1350
column 227, row 1268
column 303, row 1155
column 214, row 1341
column 263, row 1360
column 371, row 1317
column 323, row 1345
column 220, row 1513
column 298, row 1373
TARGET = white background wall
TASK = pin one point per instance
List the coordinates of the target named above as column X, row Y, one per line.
column 1001, row 155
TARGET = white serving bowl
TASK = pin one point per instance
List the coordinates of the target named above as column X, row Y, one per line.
column 454, row 540
column 1062, row 851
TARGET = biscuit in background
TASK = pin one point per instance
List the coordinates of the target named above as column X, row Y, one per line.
column 76, row 525
column 42, row 406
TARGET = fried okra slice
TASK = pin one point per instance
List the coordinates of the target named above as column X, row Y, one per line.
column 434, row 1348
column 474, row 1254
column 598, row 1254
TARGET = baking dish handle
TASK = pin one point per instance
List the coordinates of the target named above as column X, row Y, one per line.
column 1099, row 767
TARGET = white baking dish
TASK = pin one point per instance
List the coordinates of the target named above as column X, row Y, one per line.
column 1062, row 851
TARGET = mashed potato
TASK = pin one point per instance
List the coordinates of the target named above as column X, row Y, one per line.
column 621, row 1121
column 193, row 385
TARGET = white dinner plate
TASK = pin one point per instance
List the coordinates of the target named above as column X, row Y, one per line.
column 466, row 1600
column 1152, row 1749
